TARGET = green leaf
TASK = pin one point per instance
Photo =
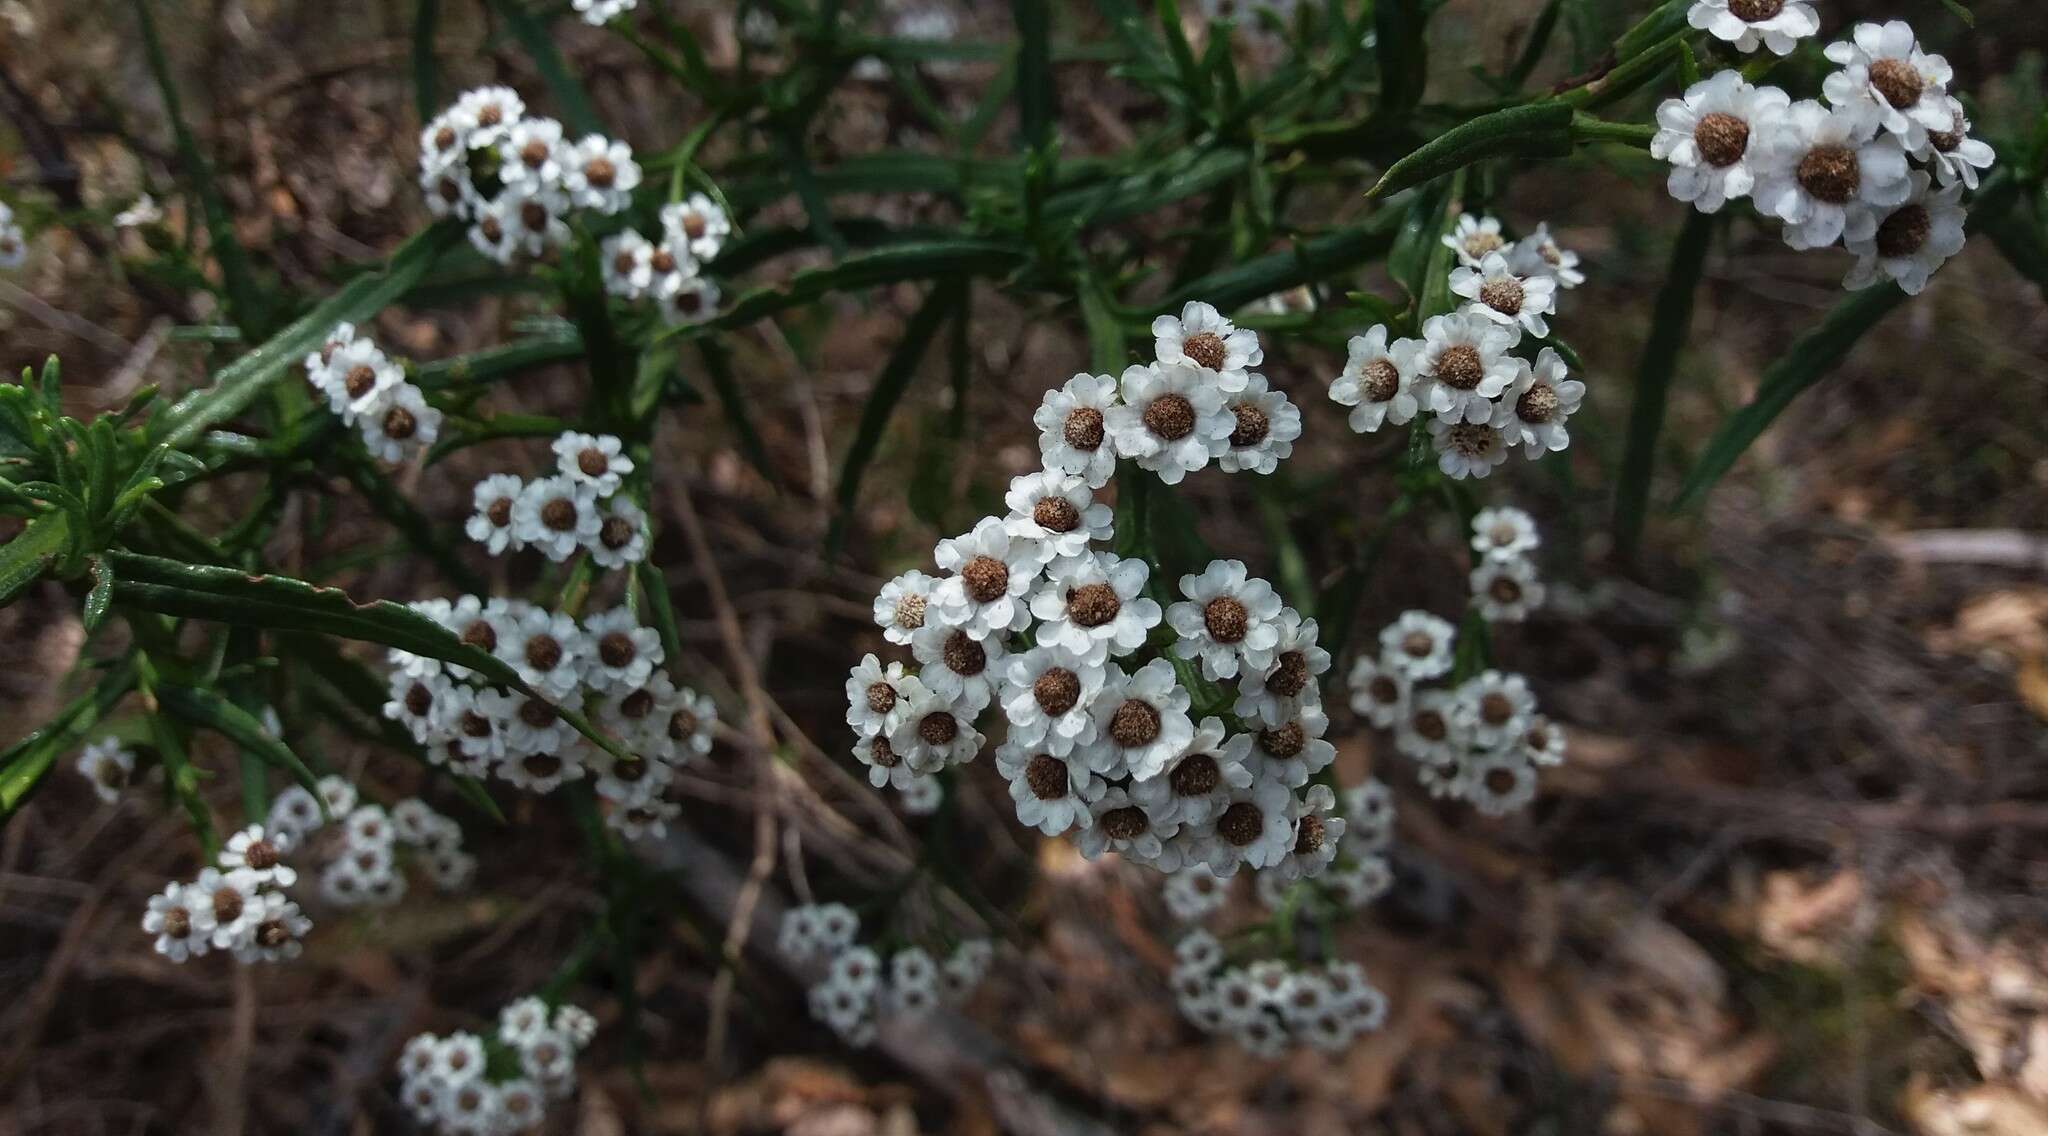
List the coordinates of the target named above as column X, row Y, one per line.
column 426, row 95
column 242, row 382
column 1315, row 260
column 25, row 762
column 33, row 550
column 1037, row 102
column 1807, row 361
column 1108, row 350
column 1533, row 47
column 1433, row 292
column 101, row 595
column 1670, row 326
column 1961, row 13
column 890, row 385
column 577, row 113
column 1539, row 130
column 734, row 402
column 181, row 777
column 557, row 345
column 1664, row 21
column 1398, row 27
column 210, row 710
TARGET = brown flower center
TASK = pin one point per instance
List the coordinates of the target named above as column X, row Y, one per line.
column 1537, row 738
column 963, row 655
column 1083, row 428
column 444, row 138
column 623, row 262
column 1503, row 294
column 1478, row 244
column 559, row 514
column 1495, row 708
column 1755, row 11
column 1500, row 782
column 600, row 173
column 1241, row 824
column 399, row 424
column 1285, row 742
column 694, row 225
column 1057, row 690
column 1896, row 80
column 489, row 227
column 1205, row 348
column 1537, row 404
column 682, row 725
column 451, row 192
column 1047, row 777
column 985, row 578
column 1722, row 138
column 499, row 512
column 481, row 635
column 543, row 652
column 359, row 381
column 1197, row 775
column 474, row 725
column 1904, row 232
column 1430, row 725
column 1460, row 367
column 1504, row 589
column 534, row 153
column 543, row 765
column 1830, row 173
column 418, row 700
column 490, row 114
column 662, row 261
column 593, row 462
column 1382, row 380
column 1290, row 674
column 882, row 754
column 1472, row 439
column 178, row 922
column 1308, row 835
column 1170, row 416
column 227, row 905
column 1092, row 605
column 1135, row 723
column 534, row 216
column 1947, row 141
column 272, row 933
column 615, row 533
column 938, row 728
column 1055, row 514
column 616, row 649
column 910, row 611
column 881, row 697
column 537, row 714
column 1418, row 644
column 261, row 855
column 1252, row 425
column 1226, row 619
column 1126, row 823
column 636, row 705
column 1383, row 690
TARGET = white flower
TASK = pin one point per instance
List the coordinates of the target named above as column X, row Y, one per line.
column 690, row 722
column 1887, row 82
column 1379, row 693
column 640, row 716
column 1504, row 532
column 1431, row 732
column 1124, row 827
column 932, row 737
column 632, row 781
column 595, row 460
column 992, row 573
column 276, row 928
column 368, row 826
column 1202, row 336
column 404, row 426
column 362, row 380
column 901, row 606
column 877, row 697
column 1502, row 297
column 627, row 261
column 480, row 624
column 338, row 794
column 1369, row 806
column 548, row 1056
column 145, row 211
column 522, row 1101
column 621, row 537
column 1463, row 365
column 1193, row 894
column 1500, row 783
column 260, row 853
column 624, row 654
column 294, row 812
column 1194, row 786
column 922, row 795
column 1543, row 742
column 497, row 232
column 175, row 916
column 539, row 217
column 1141, row 720
column 1048, row 692
column 13, row 245
column 697, row 224
column 1533, row 411
column 600, row 173
column 108, row 767
column 531, row 155
column 542, row 772
column 598, row 13
column 1714, row 136
column 1073, row 428
column 1272, row 694
column 1820, row 166
column 1378, row 380
column 958, row 667
column 645, row 819
column 1475, row 238
column 1057, row 512
column 1953, row 154
column 1052, row 793
column 449, row 192
column 492, row 525
column 1910, row 243
column 1776, row 24
column 412, row 821
column 488, row 113
column 1092, row 605
column 223, row 906
column 1467, row 449
column 1255, row 830
column 556, row 515
column 1294, row 751
column 1495, row 707
column 1506, row 591
column 1266, row 425
column 686, row 297
column 1228, row 619
column 548, row 650
column 1539, row 254
column 1172, row 419
column 1358, row 884
column 1418, row 645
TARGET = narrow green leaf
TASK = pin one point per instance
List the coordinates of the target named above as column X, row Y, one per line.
column 210, row 710
column 1317, row 259
column 1670, row 326
column 1177, row 49
column 1665, row 20
column 577, row 113
column 101, row 595
column 556, row 345
column 33, row 550
column 1810, row 359
column 1398, row 27
column 25, row 762
column 1108, row 350
column 1037, row 101
column 1539, row 130
column 1533, row 48
column 890, row 385
column 1961, row 13
column 426, row 94
column 1433, row 292
column 817, row 209
column 181, row 777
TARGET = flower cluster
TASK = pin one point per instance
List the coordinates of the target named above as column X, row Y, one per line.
column 1483, row 400
column 239, row 907
column 466, row 1084
column 670, row 271
column 108, row 767
column 518, row 178
column 369, row 845
column 1268, row 1005
column 860, row 985
column 1358, row 875
column 1880, row 167
column 607, row 664
column 367, row 389
column 1481, row 740
column 597, row 13
column 578, row 508
column 1105, row 736
column 13, row 242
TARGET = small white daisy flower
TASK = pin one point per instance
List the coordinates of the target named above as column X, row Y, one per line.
column 1057, row 512
column 878, row 696
column 1500, row 783
column 1476, row 238
column 412, row 821
column 797, row 936
column 1073, row 431
column 319, row 371
column 108, row 767
column 1464, row 365
column 1266, row 427
column 491, row 525
column 1358, row 884
column 1467, row 449
column 531, row 155
column 1378, row 381
column 540, row 219
column 548, row 650
column 542, row 772
column 1431, row 732
column 1910, row 243
column 1172, row 420
column 556, row 515
column 686, row 298
column 1714, row 136
column 261, row 853
column 640, row 715
column 478, row 623
column 1543, row 743
column 1503, row 532
column 1506, row 591
column 275, row 933
column 599, row 173
column 1228, row 621
column 521, row 1101
column 1051, row 793
column 1195, row 785
column 496, row 231
column 444, row 142
column 1203, row 337
column 621, row 537
column 1379, row 693
column 1418, row 645
column 449, row 192
column 958, row 667
column 1192, row 895
column 1295, row 750
column 1047, row 695
column 403, row 427
column 489, row 113
column 1093, row 605
column 992, row 573
column 1141, row 721
column 697, row 224
column 338, row 793
column 598, row 13
column 364, row 380
column 1503, row 297
column 595, row 460
column 645, row 819
column 624, row 654
column 1820, row 166
column 1539, row 254
column 224, row 904
column 932, row 737
column 1889, row 83
column 1953, row 154
column 1533, row 411
column 902, row 605
column 1255, row 830
column 691, row 721
column 1776, row 24
column 627, row 261
column 296, row 812
column 1495, row 707
column 175, row 917
column 1124, row 827
column 1273, row 693
column 548, row 1056
column 632, row 780
column 922, row 796
column 368, row 826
